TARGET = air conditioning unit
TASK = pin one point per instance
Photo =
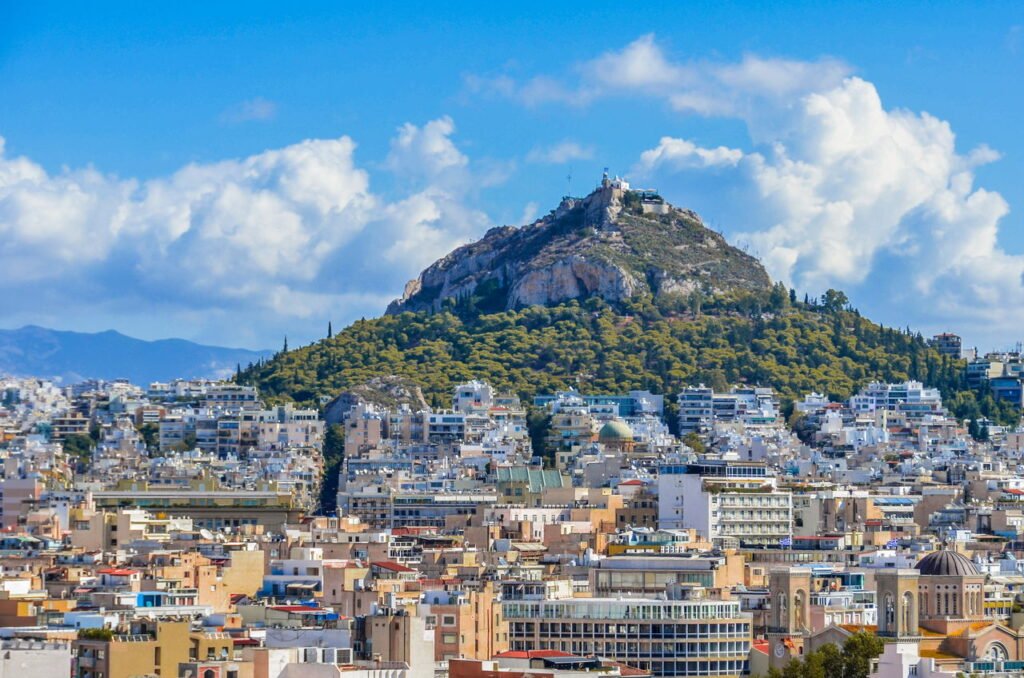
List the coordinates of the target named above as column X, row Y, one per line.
column 338, row 655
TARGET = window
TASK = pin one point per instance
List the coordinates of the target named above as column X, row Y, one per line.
column 448, row 620
column 448, row 638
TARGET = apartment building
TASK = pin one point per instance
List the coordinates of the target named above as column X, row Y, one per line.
column 700, row 407
column 690, row 636
column 725, row 499
column 911, row 398
column 146, row 648
column 467, row 623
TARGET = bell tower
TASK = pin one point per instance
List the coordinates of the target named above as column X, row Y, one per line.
column 898, row 604
column 791, row 604
column 790, row 613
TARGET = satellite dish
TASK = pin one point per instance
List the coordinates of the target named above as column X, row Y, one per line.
column 205, row 534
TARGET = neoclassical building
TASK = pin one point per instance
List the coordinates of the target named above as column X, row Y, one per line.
column 938, row 605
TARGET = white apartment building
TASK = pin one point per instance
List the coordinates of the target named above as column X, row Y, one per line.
column 725, row 499
column 700, row 407
column 473, row 396
column 909, row 397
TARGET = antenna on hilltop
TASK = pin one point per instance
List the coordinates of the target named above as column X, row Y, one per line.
column 569, row 187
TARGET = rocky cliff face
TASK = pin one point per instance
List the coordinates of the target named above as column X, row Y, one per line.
column 615, row 243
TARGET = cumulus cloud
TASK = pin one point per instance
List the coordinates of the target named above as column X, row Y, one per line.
column 426, row 151
column 560, row 153
column 682, row 154
column 835, row 189
column 289, row 233
column 840, row 191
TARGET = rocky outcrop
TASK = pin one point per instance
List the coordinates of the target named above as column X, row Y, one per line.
column 573, row 278
column 615, row 243
column 389, row 392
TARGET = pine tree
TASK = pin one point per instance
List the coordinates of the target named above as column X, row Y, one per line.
column 285, row 349
column 330, row 330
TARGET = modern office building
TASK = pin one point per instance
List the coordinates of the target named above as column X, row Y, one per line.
column 689, row 636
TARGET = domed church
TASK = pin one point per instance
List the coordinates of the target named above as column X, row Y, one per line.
column 938, row 605
column 616, row 435
column 949, row 589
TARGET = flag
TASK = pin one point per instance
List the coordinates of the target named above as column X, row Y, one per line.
column 786, row 541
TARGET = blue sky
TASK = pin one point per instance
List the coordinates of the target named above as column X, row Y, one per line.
column 236, row 173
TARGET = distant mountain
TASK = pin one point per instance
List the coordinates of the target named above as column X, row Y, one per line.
column 616, row 243
column 73, row 356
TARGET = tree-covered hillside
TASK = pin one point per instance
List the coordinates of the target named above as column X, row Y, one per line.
column 770, row 339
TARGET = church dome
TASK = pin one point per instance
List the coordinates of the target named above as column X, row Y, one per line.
column 946, row 563
column 615, row 432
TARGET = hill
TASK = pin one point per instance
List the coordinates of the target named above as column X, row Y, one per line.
column 795, row 347
column 615, row 243
column 608, row 293
column 73, row 356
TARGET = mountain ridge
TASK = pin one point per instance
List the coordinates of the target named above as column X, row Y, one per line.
column 33, row 350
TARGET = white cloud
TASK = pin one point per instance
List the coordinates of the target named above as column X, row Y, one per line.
column 640, row 65
column 290, row 233
column 560, row 153
column 257, row 109
column 703, row 87
column 682, row 154
column 844, row 184
column 836, row 189
column 425, row 151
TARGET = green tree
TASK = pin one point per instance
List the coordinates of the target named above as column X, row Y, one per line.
column 334, row 457
column 188, row 442
column 693, row 441
column 858, row 652
column 150, row 433
column 538, row 423
column 834, row 301
column 829, row 661
column 79, row 445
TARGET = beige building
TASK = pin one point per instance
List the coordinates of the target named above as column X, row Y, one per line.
column 469, row 625
column 146, row 648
